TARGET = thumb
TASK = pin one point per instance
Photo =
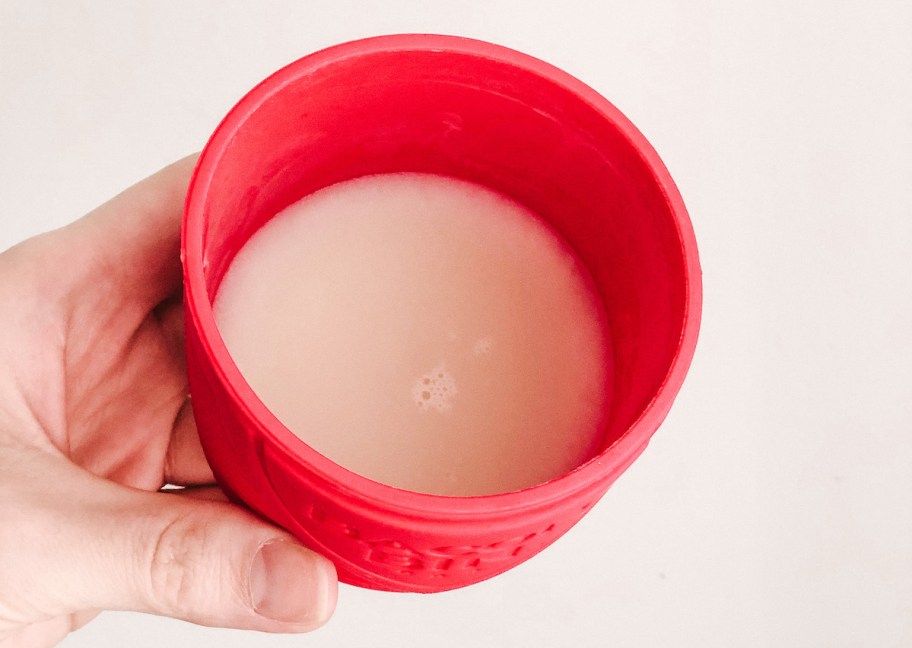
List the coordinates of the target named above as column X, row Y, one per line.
column 206, row 562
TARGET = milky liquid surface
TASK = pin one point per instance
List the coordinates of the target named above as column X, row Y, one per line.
column 422, row 331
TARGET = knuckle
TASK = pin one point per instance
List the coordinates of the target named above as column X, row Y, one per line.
column 192, row 573
column 175, row 564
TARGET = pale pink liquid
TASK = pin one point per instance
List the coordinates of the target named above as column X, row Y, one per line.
column 421, row 331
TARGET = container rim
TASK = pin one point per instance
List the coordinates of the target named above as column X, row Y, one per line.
column 199, row 311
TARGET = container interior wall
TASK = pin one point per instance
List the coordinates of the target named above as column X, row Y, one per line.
column 488, row 122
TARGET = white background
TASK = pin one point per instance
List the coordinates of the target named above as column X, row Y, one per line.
column 774, row 507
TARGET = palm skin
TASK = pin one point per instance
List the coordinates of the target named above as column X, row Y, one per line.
column 97, row 360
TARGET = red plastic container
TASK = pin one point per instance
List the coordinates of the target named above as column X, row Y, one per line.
column 483, row 113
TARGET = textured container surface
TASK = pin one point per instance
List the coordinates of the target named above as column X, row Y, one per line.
column 486, row 114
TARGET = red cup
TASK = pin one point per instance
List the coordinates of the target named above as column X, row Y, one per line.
column 483, row 113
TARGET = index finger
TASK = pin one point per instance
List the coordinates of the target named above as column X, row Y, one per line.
column 135, row 236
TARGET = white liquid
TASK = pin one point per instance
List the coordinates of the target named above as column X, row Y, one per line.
column 421, row 331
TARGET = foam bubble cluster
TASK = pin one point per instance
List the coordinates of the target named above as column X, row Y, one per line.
column 434, row 390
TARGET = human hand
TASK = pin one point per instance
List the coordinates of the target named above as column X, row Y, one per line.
column 94, row 420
